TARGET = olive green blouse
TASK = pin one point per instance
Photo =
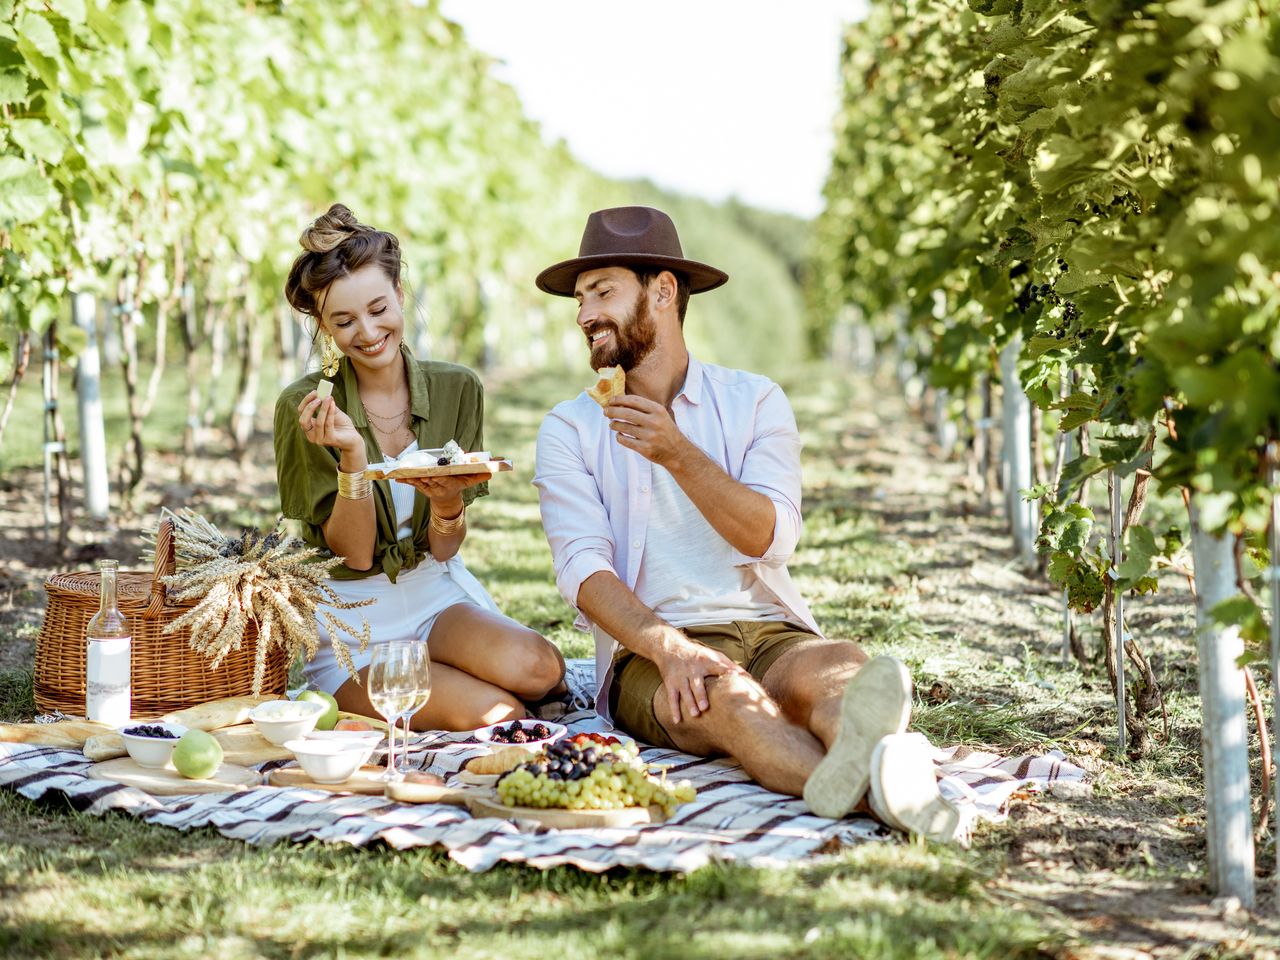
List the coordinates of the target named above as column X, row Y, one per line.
column 447, row 403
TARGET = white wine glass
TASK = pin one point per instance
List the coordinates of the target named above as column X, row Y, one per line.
column 422, row 692
column 392, row 692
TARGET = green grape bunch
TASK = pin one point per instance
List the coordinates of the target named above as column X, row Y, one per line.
column 574, row 776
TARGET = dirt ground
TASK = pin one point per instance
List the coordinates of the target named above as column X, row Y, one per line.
column 1123, row 865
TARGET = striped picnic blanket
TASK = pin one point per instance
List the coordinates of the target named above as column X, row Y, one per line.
column 732, row 819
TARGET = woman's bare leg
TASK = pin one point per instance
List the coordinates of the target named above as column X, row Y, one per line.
column 497, row 650
column 458, row 701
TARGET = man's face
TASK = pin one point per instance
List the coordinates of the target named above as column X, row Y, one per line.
column 613, row 314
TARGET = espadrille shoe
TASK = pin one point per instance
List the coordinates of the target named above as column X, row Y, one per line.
column 876, row 703
column 904, row 790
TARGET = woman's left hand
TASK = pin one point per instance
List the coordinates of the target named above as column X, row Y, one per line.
column 444, row 489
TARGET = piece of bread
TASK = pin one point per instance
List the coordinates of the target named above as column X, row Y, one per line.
column 64, row 733
column 500, row 761
column 228, row 712
column 611, row 383
column 108, row 746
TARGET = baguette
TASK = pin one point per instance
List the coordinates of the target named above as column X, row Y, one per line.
column 64, row 733
column 611, row 384
column 228, row 712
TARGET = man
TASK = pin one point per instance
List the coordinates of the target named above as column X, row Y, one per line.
column 671, row 519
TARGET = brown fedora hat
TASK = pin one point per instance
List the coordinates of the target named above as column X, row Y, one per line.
column 629, row 237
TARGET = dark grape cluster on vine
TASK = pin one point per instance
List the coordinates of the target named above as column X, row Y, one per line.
column 1044, row 293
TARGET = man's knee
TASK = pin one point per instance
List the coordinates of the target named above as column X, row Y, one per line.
column 732, row 699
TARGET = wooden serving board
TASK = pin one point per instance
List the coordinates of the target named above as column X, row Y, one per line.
column 404, row 791
column 168, row 782
column 362, row 781
column 246, row 746
column 489, row 467
column 490, row 806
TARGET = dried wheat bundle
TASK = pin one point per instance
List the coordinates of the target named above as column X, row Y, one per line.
column 277, row 581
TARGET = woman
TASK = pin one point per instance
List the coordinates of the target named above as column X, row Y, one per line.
column 399, row 540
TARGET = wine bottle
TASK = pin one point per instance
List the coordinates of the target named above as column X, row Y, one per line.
column 107, row 679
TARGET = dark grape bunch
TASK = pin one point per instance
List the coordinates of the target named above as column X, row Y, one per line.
column 518, row 734
column 442, row 462
column 566, row 760
column 154, row 731
column 1044, row 293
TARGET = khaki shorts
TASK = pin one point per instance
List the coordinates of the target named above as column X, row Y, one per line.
column 753, row 644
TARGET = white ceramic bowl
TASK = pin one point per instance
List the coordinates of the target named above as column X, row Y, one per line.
column 373, row 737
column 556, row 731
column 330, row 761
column 281, row 720
column 151, row 751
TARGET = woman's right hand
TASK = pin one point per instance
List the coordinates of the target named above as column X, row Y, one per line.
column 325, row 425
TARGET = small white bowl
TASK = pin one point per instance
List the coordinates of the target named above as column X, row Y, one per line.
column 151, row 751
column 374, row 737
column 557, row 730
column 281, row 720
column 330, row 761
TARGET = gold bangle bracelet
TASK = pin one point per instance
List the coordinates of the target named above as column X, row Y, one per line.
column 450, row 527
column 353, row 486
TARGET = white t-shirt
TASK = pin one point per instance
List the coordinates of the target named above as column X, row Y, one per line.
column 402, row 495
column 689, row 574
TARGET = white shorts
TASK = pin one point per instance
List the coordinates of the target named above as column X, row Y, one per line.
column 405, row 610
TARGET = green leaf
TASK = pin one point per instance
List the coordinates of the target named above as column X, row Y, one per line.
column 39, row 35
column 24, row 194
column 38, row 139
column 71, row 340
column 104, row 24
column 72, row 10
column 1240, row 611
column 13, row 87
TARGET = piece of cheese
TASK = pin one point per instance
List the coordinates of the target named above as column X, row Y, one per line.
column 324, row 390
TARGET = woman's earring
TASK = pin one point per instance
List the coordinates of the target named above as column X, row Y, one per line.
column 330, row 355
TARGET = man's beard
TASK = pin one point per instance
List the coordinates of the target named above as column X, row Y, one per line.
column 632, row 342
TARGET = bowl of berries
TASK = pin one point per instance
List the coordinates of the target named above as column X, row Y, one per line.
column 151, row 744
column 529, row 733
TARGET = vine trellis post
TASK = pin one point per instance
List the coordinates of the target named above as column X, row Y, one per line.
column 1115, row 486
column 1015, row 453
column 1224, row 735
column 93, row 435
column 1273, row 575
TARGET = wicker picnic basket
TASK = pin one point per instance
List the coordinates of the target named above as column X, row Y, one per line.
column 167, row 674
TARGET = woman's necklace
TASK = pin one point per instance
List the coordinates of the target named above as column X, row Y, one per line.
column 392, row 431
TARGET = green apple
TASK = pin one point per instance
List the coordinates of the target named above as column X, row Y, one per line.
column 330, row 716
column 197, row 755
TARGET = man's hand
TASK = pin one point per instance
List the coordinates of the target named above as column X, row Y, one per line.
column 684, row 671
column 646, row 427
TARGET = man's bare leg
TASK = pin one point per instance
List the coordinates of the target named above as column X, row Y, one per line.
column 745, row 723
column 808, row 681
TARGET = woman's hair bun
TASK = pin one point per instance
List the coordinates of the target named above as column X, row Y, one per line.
column 330, row 229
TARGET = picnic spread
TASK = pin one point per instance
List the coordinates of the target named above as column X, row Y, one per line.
column 730, row 818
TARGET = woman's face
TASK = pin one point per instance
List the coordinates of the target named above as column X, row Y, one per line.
column 364, row 314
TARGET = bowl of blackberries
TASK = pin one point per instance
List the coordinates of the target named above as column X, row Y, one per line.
column 530, row 733
column 151, row 743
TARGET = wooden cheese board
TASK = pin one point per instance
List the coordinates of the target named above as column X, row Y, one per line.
column 490, row 467
column 168, row 782
column 404, row 791
column 557, row 819
column 362, row 781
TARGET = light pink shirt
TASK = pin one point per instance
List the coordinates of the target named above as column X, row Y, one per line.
column 595, row 494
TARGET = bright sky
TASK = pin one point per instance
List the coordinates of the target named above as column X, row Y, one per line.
column 708, row 97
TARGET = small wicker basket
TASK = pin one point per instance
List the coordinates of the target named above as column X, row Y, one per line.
column 166, row 674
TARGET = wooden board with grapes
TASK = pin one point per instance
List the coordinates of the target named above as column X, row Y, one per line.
column 585, row 781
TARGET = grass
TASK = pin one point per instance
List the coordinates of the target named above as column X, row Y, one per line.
column 75, row 885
